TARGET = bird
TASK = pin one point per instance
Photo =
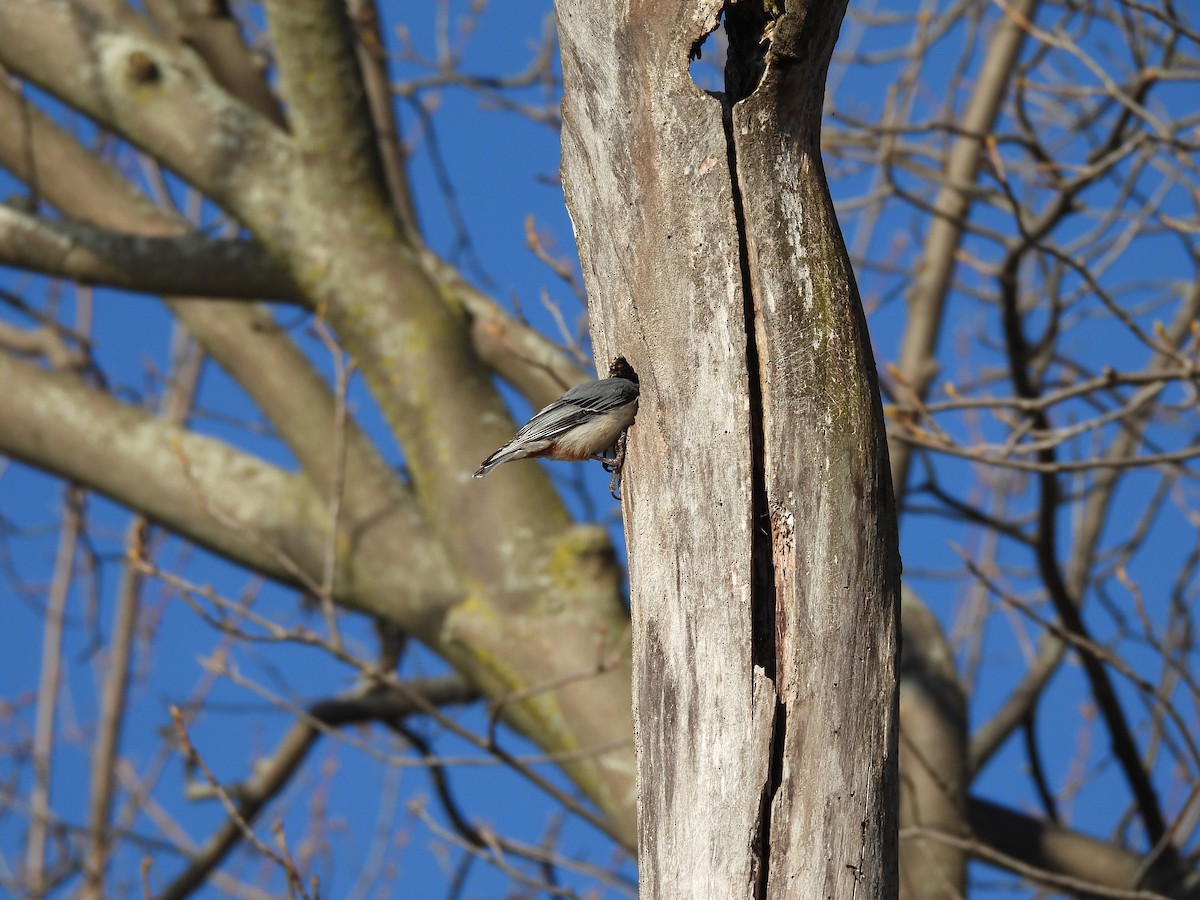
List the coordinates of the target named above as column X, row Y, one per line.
column 581, row 424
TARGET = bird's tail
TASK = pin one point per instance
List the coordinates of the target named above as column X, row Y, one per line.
column 501, row 456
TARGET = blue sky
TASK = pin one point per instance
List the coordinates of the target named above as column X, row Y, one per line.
column 503, row 169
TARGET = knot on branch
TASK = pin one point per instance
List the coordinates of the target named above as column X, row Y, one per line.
column 142, row 68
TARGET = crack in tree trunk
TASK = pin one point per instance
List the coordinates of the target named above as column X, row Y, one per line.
column 762, row 589
column 744, row 65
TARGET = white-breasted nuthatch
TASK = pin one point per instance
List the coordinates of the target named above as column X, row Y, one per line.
column 581, row 424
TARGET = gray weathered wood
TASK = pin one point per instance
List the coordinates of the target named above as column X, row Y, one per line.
column 647, row 181
column 758, row 512
column 828, row 490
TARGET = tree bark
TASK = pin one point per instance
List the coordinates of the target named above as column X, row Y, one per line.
column 764, row 566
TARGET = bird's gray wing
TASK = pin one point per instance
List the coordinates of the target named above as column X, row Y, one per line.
column 577, row 406
column 599, row 396
column 556, row 419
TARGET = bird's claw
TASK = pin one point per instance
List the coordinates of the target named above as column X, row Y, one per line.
column 614, row 465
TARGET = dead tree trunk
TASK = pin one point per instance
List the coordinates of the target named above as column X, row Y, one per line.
column 758, row 506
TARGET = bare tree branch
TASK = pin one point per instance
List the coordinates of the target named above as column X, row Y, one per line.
column 1091, row 863
column 153, row 265
column 933, row 723
column 211, row 30
column 198, row 487
column 274, row 773
column 48, row 688
column 158, row 97
column 927, row 296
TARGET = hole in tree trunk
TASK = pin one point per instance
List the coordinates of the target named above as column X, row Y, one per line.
column 729, row 60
